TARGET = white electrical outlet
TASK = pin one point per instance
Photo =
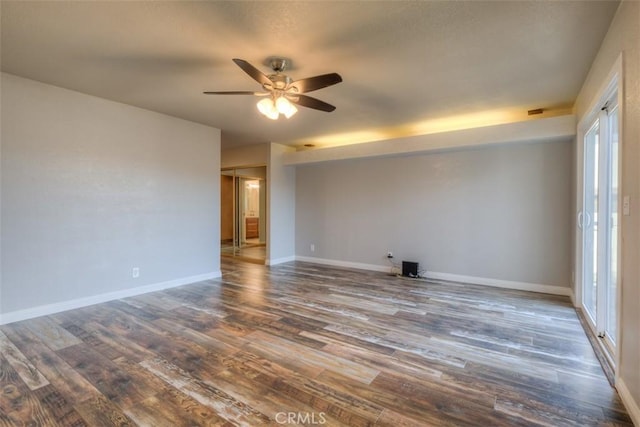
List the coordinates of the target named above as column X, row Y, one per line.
column 135, row 272
column 312, row 247
column 389, row 254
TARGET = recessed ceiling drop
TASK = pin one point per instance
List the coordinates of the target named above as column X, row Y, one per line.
column 282, row 91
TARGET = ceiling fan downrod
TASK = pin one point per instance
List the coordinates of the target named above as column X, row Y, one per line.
column 278, row 65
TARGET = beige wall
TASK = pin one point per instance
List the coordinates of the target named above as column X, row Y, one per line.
column 92, row 188
column 624, row 37
column 246, row 155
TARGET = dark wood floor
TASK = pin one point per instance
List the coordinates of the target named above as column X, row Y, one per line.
column 307, row 344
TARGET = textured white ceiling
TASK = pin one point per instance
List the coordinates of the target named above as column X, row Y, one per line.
column 402, row 62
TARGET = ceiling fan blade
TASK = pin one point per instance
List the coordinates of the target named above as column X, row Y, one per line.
column 232, row 92
column 317, row 82
column 255, row 74
column 316, row 104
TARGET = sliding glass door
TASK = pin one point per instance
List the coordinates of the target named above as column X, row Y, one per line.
column 588, row 220
column 598, row 221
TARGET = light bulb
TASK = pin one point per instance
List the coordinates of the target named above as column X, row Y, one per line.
column 266, row 107
column 285, row 107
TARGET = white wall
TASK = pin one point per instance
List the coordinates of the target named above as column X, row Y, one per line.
column 92, row 188
column 498, row 213
column 281, row 205
column 280, row 194
column 624, row 37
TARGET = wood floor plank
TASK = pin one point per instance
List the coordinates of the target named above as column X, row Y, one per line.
column 66, row 380
column 171, row 408
column 274, row 353
column 168, row 406
column 190, row 357
column 356, row 348
column 24, row 368
column 225, row 405
column 93, row 340
column 314, row 357
column 390, row 418
column 59, row 407
column 112, row 381
column 195, row 317
column 382, row 362
column 263, row 397
column 160, row 301
column 52, row 334
column 100, row 411
column 538, row 415
column 432, row 353
column 106, row 332
column 119, row 345
column 419, row 413
column 295, row 387
column 436, row 393
column 18, row 403
column 370, row 344
column 162, row 411
column 156, row 342
column 274, row 327
column 205, row 341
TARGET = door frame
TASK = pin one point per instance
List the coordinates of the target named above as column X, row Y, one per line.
column 238, row 227
column 612, row 84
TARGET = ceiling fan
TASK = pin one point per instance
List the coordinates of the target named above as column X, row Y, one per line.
column 282, row 91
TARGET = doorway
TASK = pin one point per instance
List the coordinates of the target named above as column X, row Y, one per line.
column 243, row 213
column 598, row 221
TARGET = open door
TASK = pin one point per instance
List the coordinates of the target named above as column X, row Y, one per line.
column 243, row 213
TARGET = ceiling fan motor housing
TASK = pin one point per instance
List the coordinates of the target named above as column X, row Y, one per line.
column 280, row 81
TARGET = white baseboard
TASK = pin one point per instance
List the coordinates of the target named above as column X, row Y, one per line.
column 280, row 260
column 44, row 310
column 347, row 264
column 508, row 284
column 632, row 406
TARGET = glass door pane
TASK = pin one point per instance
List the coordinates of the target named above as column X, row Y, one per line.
column 242, row 212
column 589, row 221
column 612, row 261
column 227, row 203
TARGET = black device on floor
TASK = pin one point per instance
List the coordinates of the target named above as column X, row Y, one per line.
column 409, row 269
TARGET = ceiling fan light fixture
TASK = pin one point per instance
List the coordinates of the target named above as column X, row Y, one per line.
column 268, row 109
column 285, row 107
